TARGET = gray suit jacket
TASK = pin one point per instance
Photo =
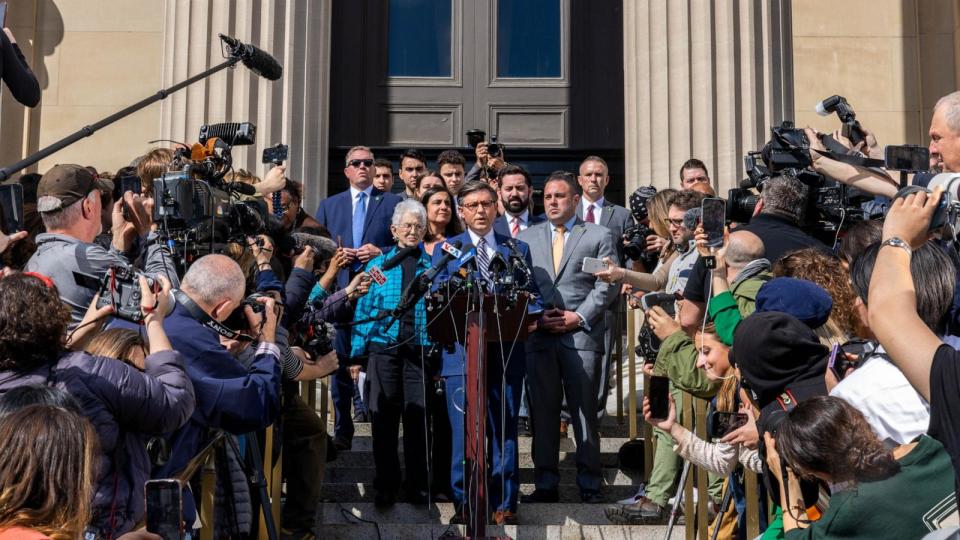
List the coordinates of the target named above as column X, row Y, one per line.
column 571, row 289
column 614, row 217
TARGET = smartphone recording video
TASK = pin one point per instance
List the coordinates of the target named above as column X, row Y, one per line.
column 713, row 213
column 659, row 396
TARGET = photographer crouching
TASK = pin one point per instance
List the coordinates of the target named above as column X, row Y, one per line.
column 69, row 204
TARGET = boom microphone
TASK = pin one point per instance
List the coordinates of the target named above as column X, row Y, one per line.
column 257, row 60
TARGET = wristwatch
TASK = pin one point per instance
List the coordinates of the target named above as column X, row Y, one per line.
column 897, row 242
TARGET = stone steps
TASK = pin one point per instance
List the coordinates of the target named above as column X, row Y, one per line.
column 609, row 427
column 568, row 460
column 568, row 475
column 364, row 531
column 608, row 445
column 364, row 492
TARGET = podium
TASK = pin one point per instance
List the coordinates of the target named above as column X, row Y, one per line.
column 465, row 319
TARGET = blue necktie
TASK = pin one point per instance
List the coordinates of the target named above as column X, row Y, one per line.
column 359, row 216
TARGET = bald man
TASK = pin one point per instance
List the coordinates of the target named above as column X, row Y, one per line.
column 230, row 397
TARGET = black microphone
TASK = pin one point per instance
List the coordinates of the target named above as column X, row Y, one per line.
column 517, row 257
column 497, row 265
column 398, row 257
column 256, row 60
column 421, row 284
column 241, row 188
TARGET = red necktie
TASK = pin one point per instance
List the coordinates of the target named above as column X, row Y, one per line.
column 590, row 214
column 515, row 230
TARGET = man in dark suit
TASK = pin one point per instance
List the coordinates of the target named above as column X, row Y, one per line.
column 359, row 219
column 478, row 207
column 565, row 354
column 594, row 208
column 516, row 190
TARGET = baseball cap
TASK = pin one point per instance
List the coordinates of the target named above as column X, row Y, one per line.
column 64, row 185
column 803, row 299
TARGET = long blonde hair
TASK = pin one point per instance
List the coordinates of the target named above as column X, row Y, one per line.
column 658, row 209
column 47, row 470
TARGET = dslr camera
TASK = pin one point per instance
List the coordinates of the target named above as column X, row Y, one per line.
column 635, row 236
column 237, row 321
column 120, row 287
column 648, row 344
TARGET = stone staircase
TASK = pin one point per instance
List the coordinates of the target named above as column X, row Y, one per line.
column 347, row 511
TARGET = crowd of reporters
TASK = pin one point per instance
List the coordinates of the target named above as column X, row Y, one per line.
column 837, row 361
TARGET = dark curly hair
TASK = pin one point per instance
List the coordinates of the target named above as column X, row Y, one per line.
column 827, row 435
column 33, row 321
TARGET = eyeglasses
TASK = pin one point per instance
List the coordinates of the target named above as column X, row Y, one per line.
column 675, row 222
column 410, row 227
column 479, row 204
column 356, row 163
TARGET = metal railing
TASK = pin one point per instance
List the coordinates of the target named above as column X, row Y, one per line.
column 694, row 412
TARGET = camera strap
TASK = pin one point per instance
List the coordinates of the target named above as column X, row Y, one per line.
column 853, row 159
column 198, row 314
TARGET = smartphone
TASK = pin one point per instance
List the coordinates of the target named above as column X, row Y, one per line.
column 666, row 301
column 475, row 137
column 907, row 157
column 164, row 502
column 3, row 14
column 713, row 212
column 592, row 265
column 11, row 208
column 659, row 396
column 275, row 154
column 722, row 423
column 133, row 184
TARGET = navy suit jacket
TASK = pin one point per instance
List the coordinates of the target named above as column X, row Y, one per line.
column 453, row 362
column 336, row 214
column 501, row 227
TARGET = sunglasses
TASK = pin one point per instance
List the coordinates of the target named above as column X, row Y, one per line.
column 356, row 163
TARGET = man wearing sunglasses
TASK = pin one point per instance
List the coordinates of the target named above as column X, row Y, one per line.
column 359, row 220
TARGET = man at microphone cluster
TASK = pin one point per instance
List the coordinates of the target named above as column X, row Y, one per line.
column 505, row 359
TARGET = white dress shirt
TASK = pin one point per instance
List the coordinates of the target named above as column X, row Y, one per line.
column 354, row 192
column 880, row 391
column 489, row 237
column 597, row 209
column 524, row 218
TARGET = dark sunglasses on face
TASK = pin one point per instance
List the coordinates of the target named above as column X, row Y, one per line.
column 365, row 162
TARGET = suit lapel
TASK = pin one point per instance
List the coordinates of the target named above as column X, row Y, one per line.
column 376, row 197
column 571, row 244
column 606, row 214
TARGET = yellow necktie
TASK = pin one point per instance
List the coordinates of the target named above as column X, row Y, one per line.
column 558, row 248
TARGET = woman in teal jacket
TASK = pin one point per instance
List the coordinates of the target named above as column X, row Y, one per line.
column 397, row 346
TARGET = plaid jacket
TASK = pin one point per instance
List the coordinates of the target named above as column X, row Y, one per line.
column 384, row 298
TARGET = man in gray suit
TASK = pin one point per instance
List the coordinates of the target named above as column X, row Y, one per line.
column 594, row 208
column 565, row 353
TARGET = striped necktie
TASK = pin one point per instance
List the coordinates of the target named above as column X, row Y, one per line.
column 484, row 260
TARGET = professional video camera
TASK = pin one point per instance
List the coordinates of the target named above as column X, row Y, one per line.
column 830, row 204
column 635, row 236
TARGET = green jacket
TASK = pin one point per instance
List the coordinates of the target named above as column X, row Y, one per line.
column 910, row 504
column 678, row 354
column 728, row 308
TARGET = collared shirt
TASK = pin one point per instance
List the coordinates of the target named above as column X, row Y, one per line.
column 524, row 219
column 354, row 192
column 597, row 208
column 489, row 237
column 891, row 405
column 566, row 231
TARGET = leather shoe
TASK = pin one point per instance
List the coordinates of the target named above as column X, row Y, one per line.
column 342, row 444
column 504, row 517
column 590, row 497
column 541, row 496
column 385, row 499
column 458, row 517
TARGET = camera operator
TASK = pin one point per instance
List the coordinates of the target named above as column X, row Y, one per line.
column 124, row 404
column 876, row 492
column 877, row 388
column 681, row 238
column 776, row 221
column 229, row 396
column 931, row 366
column 487, row 167
column 69, row 203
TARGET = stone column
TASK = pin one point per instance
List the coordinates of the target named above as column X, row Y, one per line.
column 293, row 110
column 704, row 79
